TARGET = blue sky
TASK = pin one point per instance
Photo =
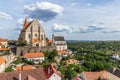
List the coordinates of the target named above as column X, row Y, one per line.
column 74, row 19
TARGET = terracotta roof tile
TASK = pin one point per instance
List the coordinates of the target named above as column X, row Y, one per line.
column 62, row 51
column 18, row 68
column 71, row 61
column 95, row 75
column 37, row 74
column 2, row 60
column 33, row 55
column 50, row 70
column 2, row 49
column 2, row 40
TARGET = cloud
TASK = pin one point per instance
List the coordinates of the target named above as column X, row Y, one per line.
column 44, row 11
column 5, row 16
column 111, row 31
column 90, row 28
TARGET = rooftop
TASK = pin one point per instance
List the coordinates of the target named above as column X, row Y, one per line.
column 34, row 55
column 31, row 74
column 59, row 38
column 18, row 68
column 2, row 60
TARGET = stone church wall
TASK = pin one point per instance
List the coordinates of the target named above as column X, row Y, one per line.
column 22, row 50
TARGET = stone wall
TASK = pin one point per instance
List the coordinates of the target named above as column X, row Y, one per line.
column 20, row 51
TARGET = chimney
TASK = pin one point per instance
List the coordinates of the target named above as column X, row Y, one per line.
column 114, row 69
column 20, row 75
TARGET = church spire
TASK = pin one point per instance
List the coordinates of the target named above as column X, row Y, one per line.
column 25, row 23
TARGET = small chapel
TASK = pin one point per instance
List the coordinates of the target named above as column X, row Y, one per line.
column 33, row 33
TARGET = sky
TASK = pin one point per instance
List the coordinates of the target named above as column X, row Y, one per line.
column 73, row 19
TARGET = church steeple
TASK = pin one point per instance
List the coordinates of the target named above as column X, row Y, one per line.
column 25, row 23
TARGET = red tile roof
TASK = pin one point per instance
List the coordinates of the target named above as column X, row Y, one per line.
column 33, row 55
column 95, row 75
column 2, row 40
column 71, row 61
column 3, row 49
column 37, row 74
column 62, row 51
column 76, row 78
column 2, row 60
column 18, row 68
column 49, row 71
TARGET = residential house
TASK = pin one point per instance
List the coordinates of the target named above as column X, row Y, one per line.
column 61, row 45
column 51, row 73
column 27, row 67
column 37, row 57
column 2, row 64
column 33, row 33
column 31, row 74
column 3, row 43
column 71, row 61
column 103, row 75
column 48, row 73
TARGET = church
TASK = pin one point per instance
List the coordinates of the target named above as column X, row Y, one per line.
column 33, row 33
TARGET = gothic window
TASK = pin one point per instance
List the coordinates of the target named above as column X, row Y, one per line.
column 35, row 35
column 29, row 35
column 42, row 37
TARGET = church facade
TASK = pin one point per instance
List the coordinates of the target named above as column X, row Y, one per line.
column 33, row 34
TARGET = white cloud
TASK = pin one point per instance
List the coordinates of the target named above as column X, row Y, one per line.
column 43, row 10
column 5, row 15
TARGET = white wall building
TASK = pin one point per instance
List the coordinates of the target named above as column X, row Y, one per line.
column 51, row 73
column 37, row 57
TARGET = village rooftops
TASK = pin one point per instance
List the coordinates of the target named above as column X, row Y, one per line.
column 33, row 55
column 31, row 74
column 2, row 60
column 18, row 68
column 3, row 40
column 4, row 49
column 95, row 75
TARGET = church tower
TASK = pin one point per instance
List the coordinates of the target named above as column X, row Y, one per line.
column 33, row 33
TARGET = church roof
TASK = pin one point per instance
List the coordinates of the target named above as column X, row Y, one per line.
column 59, row 38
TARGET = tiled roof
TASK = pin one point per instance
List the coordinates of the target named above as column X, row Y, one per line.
column 95, row 75
column 18, row 68
column 37, row 74
column 2, row 60
column 26, row 26
column 50, row 70
column 76, row 78
column 34, row 55
column 29, row 78
column 59, row 38
column 2, row 40
column 49, row 41
column 62, row 51
column 71, row 61
column 2, row 49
